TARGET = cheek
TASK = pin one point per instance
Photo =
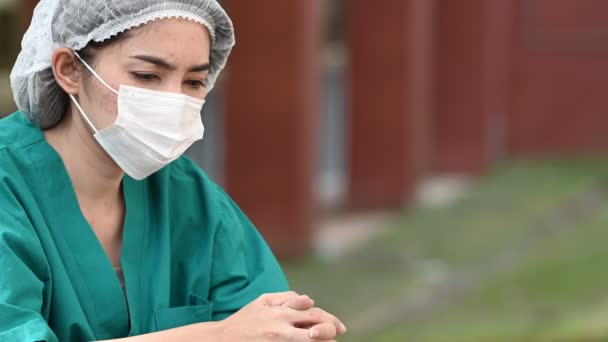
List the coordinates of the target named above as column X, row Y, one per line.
column 109, row 107
column 101, row 104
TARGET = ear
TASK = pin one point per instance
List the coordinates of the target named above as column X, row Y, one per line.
column 66, row 70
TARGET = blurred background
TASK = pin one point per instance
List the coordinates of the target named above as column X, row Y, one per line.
column 428, row 170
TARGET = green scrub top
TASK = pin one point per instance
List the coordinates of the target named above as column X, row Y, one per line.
column 189, row 253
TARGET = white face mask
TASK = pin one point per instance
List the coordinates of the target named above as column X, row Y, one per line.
column 152, row 129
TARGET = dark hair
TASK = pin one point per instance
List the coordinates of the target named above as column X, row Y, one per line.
column 89, row 52
column 55, row 103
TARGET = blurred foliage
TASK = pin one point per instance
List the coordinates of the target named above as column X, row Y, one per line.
column 9, row 45
column 519, row 258
column 7, row 104
column 9, row 37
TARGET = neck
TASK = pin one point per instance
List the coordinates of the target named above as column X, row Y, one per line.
column 94, row 175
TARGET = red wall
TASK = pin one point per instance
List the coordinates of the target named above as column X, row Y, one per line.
column 561, row 77
column 272, row 104
column 27, row 9
column 390, row 61
column 472, row 61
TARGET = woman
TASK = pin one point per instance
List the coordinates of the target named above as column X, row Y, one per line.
column 106, row 231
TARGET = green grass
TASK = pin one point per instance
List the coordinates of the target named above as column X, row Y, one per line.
column 559, row 290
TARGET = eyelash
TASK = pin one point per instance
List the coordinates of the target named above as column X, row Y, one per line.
column 194, row 84
column 145, row 77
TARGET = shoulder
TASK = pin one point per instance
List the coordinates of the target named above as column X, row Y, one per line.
column 18, row 237
column 19, row 145
column 189, row 188
column 187, row 177
column 185, row 172
column 17, row 132
column 190, row 184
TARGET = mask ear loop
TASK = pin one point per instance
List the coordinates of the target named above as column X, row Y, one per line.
column 86, row 118
column 94, row 73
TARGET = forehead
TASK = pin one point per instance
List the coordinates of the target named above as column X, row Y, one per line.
column 177, row 38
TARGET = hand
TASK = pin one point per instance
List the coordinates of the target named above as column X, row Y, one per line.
column 282, row 316
column 318, row 331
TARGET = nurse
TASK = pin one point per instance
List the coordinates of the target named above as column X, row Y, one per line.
column 106, row 231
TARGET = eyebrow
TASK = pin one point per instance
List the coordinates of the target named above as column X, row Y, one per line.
column 161, row 63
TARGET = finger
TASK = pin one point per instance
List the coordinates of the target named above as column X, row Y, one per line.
column 300, row 303
column 315, row 316
column 340, row 329
column 303, row 335
column 276, row 299
column 323, row 331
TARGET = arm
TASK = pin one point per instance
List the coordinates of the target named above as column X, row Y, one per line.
column 209, row 331
column 243, row 270
column 24, row 272
column 268, row 318
column 243, row 266
column 21, row 302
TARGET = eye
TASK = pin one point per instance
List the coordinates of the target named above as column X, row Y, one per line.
column 144, row 77
column 195, row 84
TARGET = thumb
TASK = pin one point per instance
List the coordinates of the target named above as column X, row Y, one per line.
column 300, row 303
column 277, row 299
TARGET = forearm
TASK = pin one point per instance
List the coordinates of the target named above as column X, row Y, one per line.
column 209, row 331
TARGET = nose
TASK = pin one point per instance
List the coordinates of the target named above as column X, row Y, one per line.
column 174, row 86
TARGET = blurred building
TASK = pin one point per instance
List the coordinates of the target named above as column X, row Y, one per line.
column 341, row 105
